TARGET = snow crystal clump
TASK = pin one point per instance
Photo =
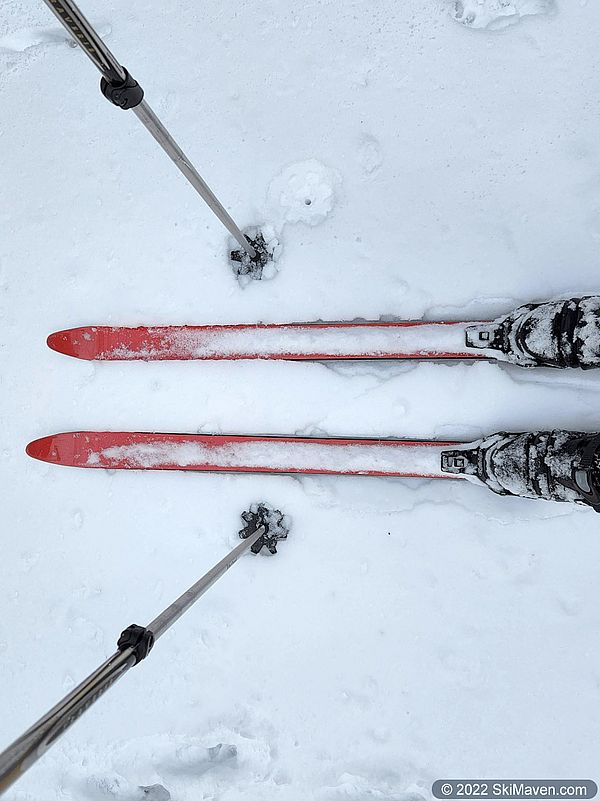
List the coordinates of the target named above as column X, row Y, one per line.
column 496, row 14
column 304, row 192
column 264, row 266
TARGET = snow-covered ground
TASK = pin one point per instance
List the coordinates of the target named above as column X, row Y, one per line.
column 408, row 630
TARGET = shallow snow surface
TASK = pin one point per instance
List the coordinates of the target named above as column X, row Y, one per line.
column 407, row 630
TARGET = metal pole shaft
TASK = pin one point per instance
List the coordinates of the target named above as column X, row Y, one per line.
column 148, row 118
column 173, row 612
column 28, row 748
column 84, row 34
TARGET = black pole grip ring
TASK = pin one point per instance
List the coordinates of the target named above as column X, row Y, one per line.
column 125, row 94
column 139, row 638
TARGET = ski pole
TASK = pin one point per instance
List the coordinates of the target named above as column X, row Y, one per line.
column 133, row 645
column 122, row 90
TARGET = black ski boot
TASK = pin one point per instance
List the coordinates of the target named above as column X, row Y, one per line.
column 561, row 333
column 551, row 465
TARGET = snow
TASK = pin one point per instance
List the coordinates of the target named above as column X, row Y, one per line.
column 337, row 341
column 286, row 456
column 407, row 630
column 589, row 332
column 303, row 193
column 497, row 14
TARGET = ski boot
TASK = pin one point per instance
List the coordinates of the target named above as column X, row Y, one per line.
column 561, row 333
column 551, row 465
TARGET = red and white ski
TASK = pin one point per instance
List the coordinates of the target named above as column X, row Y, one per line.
column 243, row 454
column 293, row 341
column 563, row 333
column 551, row 465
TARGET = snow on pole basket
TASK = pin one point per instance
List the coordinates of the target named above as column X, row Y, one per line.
column 277, row 526
column 262, row 265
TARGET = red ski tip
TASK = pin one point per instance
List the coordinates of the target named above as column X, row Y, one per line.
column 81, row 343
column 56, row 449
column 43, row 449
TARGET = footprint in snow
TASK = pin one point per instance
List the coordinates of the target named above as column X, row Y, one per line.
column 352, row 787
column 198, row 759
column 99, row 787
column 496, row 14
column 26, row 38
column 369, row 154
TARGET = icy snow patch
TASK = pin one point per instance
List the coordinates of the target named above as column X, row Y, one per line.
column 496, row 14
column 304, row 192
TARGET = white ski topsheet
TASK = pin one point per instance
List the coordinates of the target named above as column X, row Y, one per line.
column 394, row 458
column 305, row 340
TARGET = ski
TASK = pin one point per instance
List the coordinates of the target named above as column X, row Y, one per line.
column 551, row 465
column 242, row 454
column 291, row 341
column 563, row 333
